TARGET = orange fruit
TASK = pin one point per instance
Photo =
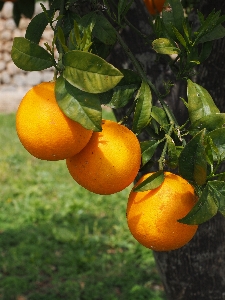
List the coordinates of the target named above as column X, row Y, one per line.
column 152, row 215
column 109, row 162
column 44, row 130
column 154, row 6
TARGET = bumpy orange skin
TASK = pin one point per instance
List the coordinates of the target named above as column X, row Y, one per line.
column 154, row 6
column 44, row 130
column 110, row 161
column 152, row 215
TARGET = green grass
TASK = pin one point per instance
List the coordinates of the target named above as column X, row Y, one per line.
column 59, row 241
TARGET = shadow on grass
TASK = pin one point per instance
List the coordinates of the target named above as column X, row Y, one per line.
column 59, row 260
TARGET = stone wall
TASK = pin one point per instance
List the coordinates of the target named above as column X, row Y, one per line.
column 14, row 82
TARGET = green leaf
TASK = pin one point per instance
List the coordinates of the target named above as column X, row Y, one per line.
column 205, row 51
column 218, row 188
column 204, row 209
column 79, row 106
column 209, row 122
column 173, row 18
column 189, row 157
column 164, row 46
column 148, row 149
column 90, row 73
column 218, row 139
column 179, row 37
column 143, row 108
column 151, row 183
column 29, row 56
column 173, row 154
column 25, row 7
column 159, row 115
column 104, row 31
column 215, row 34
column 37, row 26
column 200, row 103
column 200, row 163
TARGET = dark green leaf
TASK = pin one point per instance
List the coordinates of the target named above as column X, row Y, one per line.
column 165, row 46
column 148, row 149
column 205, row 51
column 29, row 56
column 200, row 103
column 216, row 33
column 200, row 163
column 218, row 188
column 37, row 26
column 16, row 13
column 173, row 18
column 209, row 122
column 189, row 159
column 151, row 183
column 1, row 5
column 218, row 139
column 104, row 31
column 143, row 108
column 179, row 37
column 90, row 73
column 79, row 106
column 204, row 209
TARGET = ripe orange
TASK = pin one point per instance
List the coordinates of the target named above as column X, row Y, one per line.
column 44, row 130
column 109, row 162
column 152, row 215
column 154, row 6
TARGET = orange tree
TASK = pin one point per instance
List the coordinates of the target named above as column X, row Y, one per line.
column 85, row 33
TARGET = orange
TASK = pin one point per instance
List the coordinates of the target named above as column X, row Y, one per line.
column 154, row 6
column 109, row 162
column 152, row 215
column 44, row 130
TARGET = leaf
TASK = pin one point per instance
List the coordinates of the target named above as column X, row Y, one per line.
column 148, row 149
column 79, row 106
column 173, row 18
column 216, row 33
column 189, row 157
column 209, row 122
column 151, row 183
column 104, row 31
column 160, row 116
column 218, row 139
column 173, row 154
column 200, row 103
column 29, row 56
column 204, row 209
column 89, row 72
column 164, row 46
column 37, row 26
column 218, row 187
column 205, row 51
column 143, row 108
column 200, row 163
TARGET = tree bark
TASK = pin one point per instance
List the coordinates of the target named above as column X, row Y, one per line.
column 196, row 271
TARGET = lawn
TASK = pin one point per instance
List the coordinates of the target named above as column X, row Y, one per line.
column 59, row 241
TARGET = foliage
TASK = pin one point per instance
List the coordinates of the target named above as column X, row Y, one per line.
column 84, row 37
column 59, row 241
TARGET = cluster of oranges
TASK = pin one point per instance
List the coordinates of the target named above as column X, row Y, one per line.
column 107, row 162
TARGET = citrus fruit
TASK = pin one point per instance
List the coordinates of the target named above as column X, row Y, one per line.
column 152, row 215
column 109, row 162
column 154, row 6
column 44, row 130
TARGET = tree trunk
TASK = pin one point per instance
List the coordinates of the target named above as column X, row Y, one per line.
column 196, row 271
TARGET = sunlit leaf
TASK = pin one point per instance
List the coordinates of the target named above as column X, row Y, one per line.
column 151, row 183
column 143, row 108
column 159, row 115
column 29, row 56
column 200, row 103
column 79, row 106
column 173, row 154
column 90, row 73
column 165, row 46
